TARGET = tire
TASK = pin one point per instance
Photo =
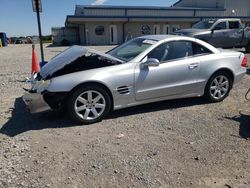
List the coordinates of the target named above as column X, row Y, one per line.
column 218, row 87
column 88, row 104
column 248, row 48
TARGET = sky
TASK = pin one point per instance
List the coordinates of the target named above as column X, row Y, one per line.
column 18, row 19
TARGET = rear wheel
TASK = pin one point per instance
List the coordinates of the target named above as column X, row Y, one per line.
column 89, row 104
column 218, row 87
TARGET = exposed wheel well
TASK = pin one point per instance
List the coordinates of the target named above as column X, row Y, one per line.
column 228, row 71
column 96, row 84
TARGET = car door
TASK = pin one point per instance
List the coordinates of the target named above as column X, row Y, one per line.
column 235, row 33
column 176, row 75
column 219, row 35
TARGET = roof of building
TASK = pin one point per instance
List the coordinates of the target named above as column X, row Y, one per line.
column 74, row 19
column 146, row 7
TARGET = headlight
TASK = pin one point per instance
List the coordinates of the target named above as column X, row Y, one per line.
column 41, row 86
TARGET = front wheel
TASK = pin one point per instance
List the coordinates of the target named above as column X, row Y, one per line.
column 89, row 104
column 218, row 87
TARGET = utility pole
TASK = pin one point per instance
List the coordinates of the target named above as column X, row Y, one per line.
column 37, row 7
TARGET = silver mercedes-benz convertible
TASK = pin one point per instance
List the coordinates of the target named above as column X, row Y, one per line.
column 90, row 84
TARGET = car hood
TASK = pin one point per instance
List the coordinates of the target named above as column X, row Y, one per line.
column 68, row 56
column 189, row 32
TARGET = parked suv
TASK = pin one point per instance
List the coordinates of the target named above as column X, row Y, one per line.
column 221, row 33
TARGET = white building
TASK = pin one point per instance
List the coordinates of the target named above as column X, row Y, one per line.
column 102, row 25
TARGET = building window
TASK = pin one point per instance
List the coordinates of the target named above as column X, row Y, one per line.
column 145, row 30
column 99, row 30
column 156, row 29
column 166, row 29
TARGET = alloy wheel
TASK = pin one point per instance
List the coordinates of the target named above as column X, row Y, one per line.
column 219, row 87
column 90, row 105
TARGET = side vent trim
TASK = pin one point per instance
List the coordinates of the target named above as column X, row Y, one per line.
column 123, row 90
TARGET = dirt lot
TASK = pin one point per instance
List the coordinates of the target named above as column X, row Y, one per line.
column 178, row 143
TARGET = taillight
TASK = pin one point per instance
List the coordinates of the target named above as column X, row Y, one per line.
column 244, row 62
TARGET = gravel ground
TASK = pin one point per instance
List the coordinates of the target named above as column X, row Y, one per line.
column 178, row 143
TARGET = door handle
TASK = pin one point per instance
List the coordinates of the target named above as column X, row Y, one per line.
column 193, row 66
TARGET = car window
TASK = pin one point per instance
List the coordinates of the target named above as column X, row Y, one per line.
column 206, row 24
column 200, row 50
column 172, row 50
column 234, row 25
column 221, row 25
column 131, row 49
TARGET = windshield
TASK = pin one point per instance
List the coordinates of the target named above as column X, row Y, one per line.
column 131, row 49
column 204, row 24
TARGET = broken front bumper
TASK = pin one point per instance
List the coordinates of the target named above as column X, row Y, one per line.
column 35, row 102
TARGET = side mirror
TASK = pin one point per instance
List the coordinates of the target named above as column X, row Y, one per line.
column 151, row 62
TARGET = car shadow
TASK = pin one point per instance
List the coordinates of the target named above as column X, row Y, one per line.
column 158, row 106
column 22, row 121
column 244, row 120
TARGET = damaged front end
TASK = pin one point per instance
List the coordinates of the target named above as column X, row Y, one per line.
column 34, row 99
column 73, row 59
column 39, row 99
column 35, row 102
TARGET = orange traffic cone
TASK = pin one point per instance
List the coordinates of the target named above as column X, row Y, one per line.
column 35, row 65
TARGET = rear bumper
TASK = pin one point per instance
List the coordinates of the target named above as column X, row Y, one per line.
column 240, row 75
column 35, row 102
